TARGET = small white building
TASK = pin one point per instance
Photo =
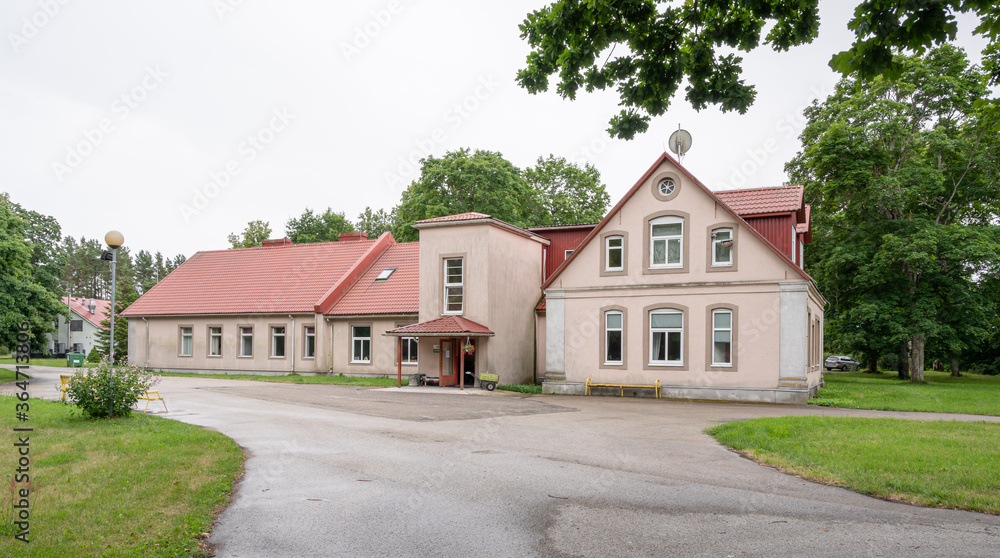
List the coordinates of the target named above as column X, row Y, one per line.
column 79, row 333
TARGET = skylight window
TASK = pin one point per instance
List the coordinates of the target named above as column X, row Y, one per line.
column 385, row 274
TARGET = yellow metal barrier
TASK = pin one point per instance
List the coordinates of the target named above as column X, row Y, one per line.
column 622, row 387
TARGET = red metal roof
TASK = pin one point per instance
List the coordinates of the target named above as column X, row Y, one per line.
column 396, row 295
column 447, row 325
column 81, row 307
column 756, row 201
column 540, row 307
column 470, row 216
column 275, row 279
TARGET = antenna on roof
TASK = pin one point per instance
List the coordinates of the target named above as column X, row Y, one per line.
column 679, row 142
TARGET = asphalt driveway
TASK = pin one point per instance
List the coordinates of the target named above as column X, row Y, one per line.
column 347, row 471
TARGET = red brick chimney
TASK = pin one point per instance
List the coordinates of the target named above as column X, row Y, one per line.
column 352, row 236
column 276, row 242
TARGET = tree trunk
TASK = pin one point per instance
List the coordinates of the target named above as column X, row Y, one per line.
column 917, row 358
column 904, row 361
column 872, row 358
column 954, row 368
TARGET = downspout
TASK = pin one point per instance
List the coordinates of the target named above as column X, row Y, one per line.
column 330, row 360
column 147, row 339
column 293, row 342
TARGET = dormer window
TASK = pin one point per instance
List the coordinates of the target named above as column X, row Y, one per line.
column 386, row 273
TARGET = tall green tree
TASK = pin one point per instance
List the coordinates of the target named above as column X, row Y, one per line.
column 374, row 223
column 254, row 234
column 645, row 49
column 22, row 299
column 464, row 181
column 44, row 233
column 310, row 227
column 903, row 179
column 569, row 194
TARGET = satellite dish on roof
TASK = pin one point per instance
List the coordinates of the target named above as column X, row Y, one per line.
column 679, row 142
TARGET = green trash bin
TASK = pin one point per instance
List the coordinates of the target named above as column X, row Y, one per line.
column 75, row 359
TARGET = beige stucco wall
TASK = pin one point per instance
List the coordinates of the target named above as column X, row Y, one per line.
column 503, row 273
column 750, row 286
column 164, row 344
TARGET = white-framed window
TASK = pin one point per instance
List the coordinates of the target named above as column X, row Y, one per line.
column 76, row 325
column 187, row 341
column 567, row 254
column 666, row 242
column 361, row 344
column 278, row 341
column 246, row 341
column 309, row 351
column 386, row 273
column 614, row 253
column 613, row 328
column 453, row 280
column 408, row 350
column 795, row 247
column 215, row 341
column 722, row 338
column 722, row 247
column 666, row 337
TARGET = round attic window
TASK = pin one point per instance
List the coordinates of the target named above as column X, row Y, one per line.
column 667, row 186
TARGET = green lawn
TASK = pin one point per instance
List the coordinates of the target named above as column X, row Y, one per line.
column 929, row 463
column 296, row 379
column 57, row 362
column 138, row 486
column 9, row 375
column 970, row 393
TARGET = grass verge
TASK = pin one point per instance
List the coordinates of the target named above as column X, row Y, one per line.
column 521, row 388
column 297, row 379
column 56, row 362
column 8, row 375
column 928, row 463
column 971, row 393
column 137, row 486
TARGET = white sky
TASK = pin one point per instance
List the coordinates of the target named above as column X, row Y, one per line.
column 339, row 95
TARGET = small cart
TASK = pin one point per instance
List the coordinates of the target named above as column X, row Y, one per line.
column 488, row 381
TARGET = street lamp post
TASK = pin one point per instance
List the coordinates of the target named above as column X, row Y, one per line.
column 115, row 240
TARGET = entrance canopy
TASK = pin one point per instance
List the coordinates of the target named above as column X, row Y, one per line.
column 447, row 326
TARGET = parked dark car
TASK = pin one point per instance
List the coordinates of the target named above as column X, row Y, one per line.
column 840, row 363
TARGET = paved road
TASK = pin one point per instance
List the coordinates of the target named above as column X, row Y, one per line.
column 343, row 471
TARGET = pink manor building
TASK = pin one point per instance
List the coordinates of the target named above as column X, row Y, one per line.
column 702, row 292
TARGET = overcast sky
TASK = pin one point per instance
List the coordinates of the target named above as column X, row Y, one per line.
column 178, row 122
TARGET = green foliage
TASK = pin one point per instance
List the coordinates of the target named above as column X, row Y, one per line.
column 522, row 388
column 374, row 223
column 22, row 299
column 100, row 393
column 317, row 228
column 882, row 27
column 569, row 194
column 903, row 180
column 94, row 356
column 646, row 48
column 464, row 181
column 257, row 231
column 928, row 463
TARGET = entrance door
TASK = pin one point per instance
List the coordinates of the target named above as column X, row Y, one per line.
column 449, row 376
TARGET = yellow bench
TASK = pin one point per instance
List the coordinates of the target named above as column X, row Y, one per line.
column 153, row 395
column 655, row 387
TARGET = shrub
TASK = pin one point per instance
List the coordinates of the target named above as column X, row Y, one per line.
column 91, row 389
column 94, row 356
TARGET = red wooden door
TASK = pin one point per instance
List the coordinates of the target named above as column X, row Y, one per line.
column 449, row 373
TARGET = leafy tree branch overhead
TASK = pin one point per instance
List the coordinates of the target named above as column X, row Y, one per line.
column 646, row 49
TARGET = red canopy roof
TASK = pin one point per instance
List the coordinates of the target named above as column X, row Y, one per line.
column 447, row 325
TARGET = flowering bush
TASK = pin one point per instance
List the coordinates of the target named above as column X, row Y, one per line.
column 91, row 389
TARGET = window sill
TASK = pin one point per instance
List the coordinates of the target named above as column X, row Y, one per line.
column 213, row 356
column 666, row 364
column 276, row 357
column 614, row 364
column 361, row 362
column 245, row 356
column 309, row 358
column 409, row 364
column 185, row 356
